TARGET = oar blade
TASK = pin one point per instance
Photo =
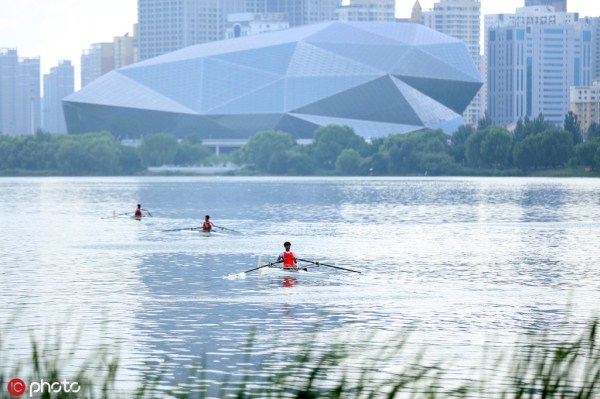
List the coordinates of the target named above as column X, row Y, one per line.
column 267, row 265
column 332, row 266
column 182, row 229
column 227, row 229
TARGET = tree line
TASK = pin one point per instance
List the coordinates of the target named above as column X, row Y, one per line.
column 94, row 154
column 535, row 145
column 485, row 150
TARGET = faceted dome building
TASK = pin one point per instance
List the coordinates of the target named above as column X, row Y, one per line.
column 378, row 78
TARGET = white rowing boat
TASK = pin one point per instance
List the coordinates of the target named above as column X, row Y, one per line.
column 293, row 272
column 209, row 233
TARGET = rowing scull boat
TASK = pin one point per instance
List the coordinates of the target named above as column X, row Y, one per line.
column 293, row 272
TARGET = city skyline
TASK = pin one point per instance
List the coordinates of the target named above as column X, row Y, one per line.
column 39, row 28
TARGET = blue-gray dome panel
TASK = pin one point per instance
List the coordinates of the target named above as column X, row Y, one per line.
column 375, row 77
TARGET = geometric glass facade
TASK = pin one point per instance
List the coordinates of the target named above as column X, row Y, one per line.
column 461, row 19
column 378, row 78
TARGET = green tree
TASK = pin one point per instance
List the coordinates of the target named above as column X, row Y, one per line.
column 86, row 154
column 473, row 149
column 557, row 147
column 348, row 162
column 437, row 163
column 549, row 149
column 7, row 151
column 496, row 148
column 525, row 153
column 458, row 141
column 89, row 154
column 593, row 131
column 406, row 152
column 537, row 125
column 585, row 153
column 519, row 132
column 484, row 122
column 70, row 157
column 300, row 163
column 130, row 161
column 267, row 151
column 158, row 149
column 331, row 140
column 190, row 154
column 377, row 164
column 104, row 154
column 573, row 126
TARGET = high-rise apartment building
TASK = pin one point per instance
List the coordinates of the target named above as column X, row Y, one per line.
column 585, row 103
column 559, row 5
column 211, row 18
column 248, row 24
column 123, row 50
column 534, row 57
column 20, row 103
column 9, row 61
column 96, row 61
column 29, row 102
column 460, row 19
column 58, row 84
column 368, row 10
column 594, row 23
column 166, row 25
column 305, row 12
column 101, row 58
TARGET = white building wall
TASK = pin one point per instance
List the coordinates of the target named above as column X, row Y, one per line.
column 368, row 11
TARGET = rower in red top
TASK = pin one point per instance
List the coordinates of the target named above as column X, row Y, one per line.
column 138, row 211
column 289, row 260
column 207, row 225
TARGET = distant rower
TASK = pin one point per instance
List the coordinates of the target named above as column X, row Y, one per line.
column 207, row 225
column 138, row 211
column 288, row 257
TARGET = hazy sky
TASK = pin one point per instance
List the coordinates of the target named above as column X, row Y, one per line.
column 61, row 29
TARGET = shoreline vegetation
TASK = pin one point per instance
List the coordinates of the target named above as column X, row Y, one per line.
column 539, row 366
column 534, row 148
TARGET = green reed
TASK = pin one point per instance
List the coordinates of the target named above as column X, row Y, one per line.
column 540, row 367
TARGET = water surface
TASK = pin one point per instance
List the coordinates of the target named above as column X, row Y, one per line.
column 460, row 263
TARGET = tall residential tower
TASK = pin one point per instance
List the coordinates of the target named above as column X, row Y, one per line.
column 534, row 57
column 20, row 103
column 58, row 84
column 167, row 25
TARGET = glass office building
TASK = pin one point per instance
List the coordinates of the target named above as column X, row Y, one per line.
column 378, row 78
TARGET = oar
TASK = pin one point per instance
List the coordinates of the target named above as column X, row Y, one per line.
column 225, row 228
column 185, row 228
column 260, row 267
column 115, row 215
column 325, row 264
column 147, row 211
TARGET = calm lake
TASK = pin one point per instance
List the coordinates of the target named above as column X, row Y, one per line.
column 461, row 264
